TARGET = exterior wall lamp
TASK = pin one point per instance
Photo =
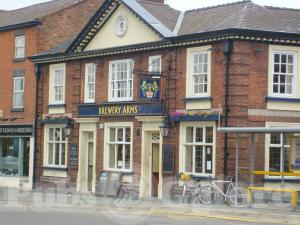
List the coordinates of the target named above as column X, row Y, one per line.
column 68, row 128
column 165, row 128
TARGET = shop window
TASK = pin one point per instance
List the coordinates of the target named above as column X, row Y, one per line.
column 14, row 156
column 18, row 95
column 121, row 80
column 284, row 74
column 119, row 148
column 198, row 149
column 275, row 153
column 56, row 147
column 90, row 75
column 57, row 84
column 155, row 64
column 20, row 47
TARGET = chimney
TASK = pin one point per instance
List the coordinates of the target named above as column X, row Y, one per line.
column 157, row 1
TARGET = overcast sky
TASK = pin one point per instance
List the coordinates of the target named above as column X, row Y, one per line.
column 178, row 4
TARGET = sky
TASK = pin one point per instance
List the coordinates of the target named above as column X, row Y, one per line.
column 178, row 4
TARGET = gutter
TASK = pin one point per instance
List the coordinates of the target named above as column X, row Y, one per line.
column 20, row 25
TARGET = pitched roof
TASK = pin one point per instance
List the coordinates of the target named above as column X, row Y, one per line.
column 243, row 15
column 34, row 12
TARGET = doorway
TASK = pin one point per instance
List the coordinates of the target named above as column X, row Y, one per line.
column 155, row 164
column 90, row 161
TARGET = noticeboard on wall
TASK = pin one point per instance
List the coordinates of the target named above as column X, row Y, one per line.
column 168, row 158
column 73, row 156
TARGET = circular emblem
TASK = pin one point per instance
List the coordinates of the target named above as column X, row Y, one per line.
column 121, row 25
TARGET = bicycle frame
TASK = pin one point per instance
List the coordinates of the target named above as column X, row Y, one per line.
column 215, row 186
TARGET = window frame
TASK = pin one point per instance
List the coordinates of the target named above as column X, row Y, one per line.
column 20, row 91
column 52, row 100
column 153, row 59
column 183, row 144
column 294, row 76
column 86, row 83
column 19, row 46
column 190, row 74
column 46, row 147
column 106, row 158
column 126, row 98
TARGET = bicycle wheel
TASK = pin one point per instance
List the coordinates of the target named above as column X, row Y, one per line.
column 207, row 195
column 236, row 196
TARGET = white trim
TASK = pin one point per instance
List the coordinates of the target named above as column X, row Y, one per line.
column 183, row 126
column 86, row 83
column 116, row 99
column 107, row 126
column 51, row 92
column 21, row 37
column 189, row 71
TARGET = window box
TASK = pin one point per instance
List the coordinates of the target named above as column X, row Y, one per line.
column 51, row 119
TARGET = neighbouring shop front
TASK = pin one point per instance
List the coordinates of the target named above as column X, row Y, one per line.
column 16, row 156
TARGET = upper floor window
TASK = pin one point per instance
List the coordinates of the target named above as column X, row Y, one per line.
column 57, row 84
column 18, row 95
column 198, row 72
column 155, row 64
column 284, row 73
column 90, row 75
column 20, row 46
column 121, row 80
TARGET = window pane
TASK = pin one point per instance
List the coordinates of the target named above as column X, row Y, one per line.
column 120, row 134
column 198, row 159
column 51, row 134
column 128, row 134
column 120, row 156
column 112, row 135
column 199, row 134
column 63, row 152
column 189, row 134
column 209, row 135
column 127, row 156
column 112, row 158
column 277, row 58
column 274, row 161
column 189, row 159
column 208, row 159
column 57, row 134
column 57, row 153
column 275, row 138
column 50, row 154
column 63, row 138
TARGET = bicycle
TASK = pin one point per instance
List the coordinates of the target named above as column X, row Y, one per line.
column 234, row 196
column 191, row 185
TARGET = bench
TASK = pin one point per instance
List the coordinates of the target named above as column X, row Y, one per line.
column 293, row 193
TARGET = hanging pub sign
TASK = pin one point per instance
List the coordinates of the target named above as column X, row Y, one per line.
column 149, row 89
column 16, row 130
column 121, row 110
column 295, row 154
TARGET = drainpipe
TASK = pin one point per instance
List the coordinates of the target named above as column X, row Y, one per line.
column 228, row 49
column 38, row 74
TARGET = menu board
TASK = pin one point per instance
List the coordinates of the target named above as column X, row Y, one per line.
column 168, row 158
column 73, row 155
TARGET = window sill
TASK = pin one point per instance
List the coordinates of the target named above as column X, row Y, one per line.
column 279, row 180
column 19, row 59
column 282, row 99
column 196, row 99
column 56, row 105
column 119, row 102
column 55, row 168
column 17, row 110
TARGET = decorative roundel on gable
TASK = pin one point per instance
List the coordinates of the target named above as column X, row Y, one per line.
column 121, row 25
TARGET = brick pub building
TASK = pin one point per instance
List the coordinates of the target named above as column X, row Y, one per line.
column 140, row 89
column 25, row 32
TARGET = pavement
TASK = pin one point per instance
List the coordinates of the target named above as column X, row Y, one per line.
column 72, row 202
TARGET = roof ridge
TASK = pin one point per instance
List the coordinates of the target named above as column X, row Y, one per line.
column 281, row 8
column 150, row 2
column 41, row 3
column 221, row 5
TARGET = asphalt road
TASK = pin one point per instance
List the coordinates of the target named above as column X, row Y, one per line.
column 44, row 216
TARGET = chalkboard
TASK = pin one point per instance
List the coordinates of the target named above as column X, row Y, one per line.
column 168, row 158
column 73, row 155
column 103, row 179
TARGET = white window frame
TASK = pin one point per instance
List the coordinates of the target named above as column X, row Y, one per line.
column 152, row 61
column 107, row 127
column 267, row 148
column 127, row 97
column 182, row 149
column 17, row 46
column 46, row 147
column 18, row 92
column 190, row 76
column 52, row 100
column 88, row 67
column 294, row 75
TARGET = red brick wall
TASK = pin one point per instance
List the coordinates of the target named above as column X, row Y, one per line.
column 62, row 26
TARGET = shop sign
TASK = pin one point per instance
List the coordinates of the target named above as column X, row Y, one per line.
column 16, row 130
column 149, row 89
column 121, row 110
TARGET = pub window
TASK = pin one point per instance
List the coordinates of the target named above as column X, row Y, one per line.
column 90, row 74
column 119, row 147
column 20, row 47
column 121, row 80
column 198, row 149
column 155, row 64
column 56, row 147
column 18, row 95
column 57, row 84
